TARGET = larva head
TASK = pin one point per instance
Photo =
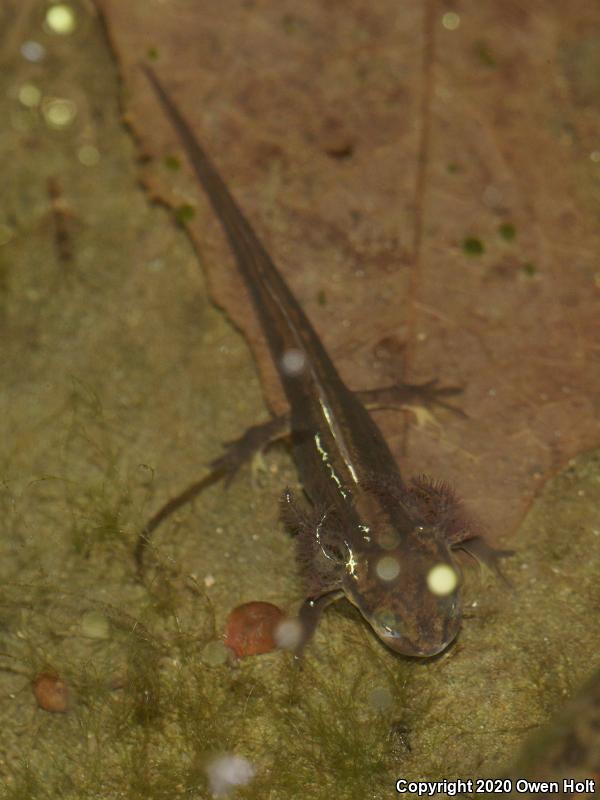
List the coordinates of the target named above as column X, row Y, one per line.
column 408, row 589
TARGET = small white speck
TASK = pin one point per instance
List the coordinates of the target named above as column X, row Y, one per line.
column 209, row 580
column 595, row 156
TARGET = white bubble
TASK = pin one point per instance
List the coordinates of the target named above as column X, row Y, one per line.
column 61, row 19
column 29, row 95
column 387, row 568
column 293, row 362
column 380, row 698
column 288, row 634
column 88, row 155
column 227, row 771
column 450, row 21
column 442, row 579
column 59, row 112
column 33, row 51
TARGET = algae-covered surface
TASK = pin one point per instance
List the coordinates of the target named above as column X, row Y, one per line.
column 119, row 382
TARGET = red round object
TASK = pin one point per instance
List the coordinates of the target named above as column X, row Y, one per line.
column 251, row 628
column 51, row 692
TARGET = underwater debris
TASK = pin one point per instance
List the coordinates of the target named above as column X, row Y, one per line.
column 251, row 628
column 51, row 692
column 227, row 771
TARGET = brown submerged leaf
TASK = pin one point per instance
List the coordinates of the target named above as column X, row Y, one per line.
column 502, row 113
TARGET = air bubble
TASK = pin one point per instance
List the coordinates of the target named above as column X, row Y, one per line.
column 442, row 579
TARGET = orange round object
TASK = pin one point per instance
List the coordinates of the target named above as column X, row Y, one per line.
column 51, row 692
column 251, row 628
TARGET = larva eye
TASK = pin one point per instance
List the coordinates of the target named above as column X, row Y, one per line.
column 385, row 621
